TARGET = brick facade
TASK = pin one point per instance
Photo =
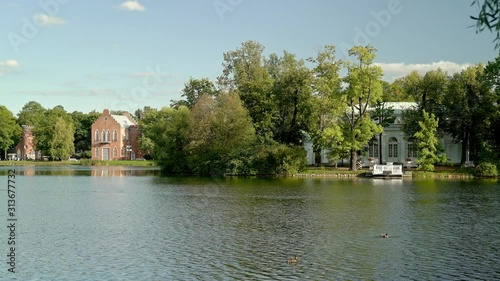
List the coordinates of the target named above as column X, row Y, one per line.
column 112, row 135
column 25, row 149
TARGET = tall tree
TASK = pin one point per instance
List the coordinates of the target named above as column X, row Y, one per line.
column 468, row 109
column 363, row 90
column 10, row 131
column 83, row 125
column 220, row 133
column 429, row 92
column 327, row 105
column 193, row 90
column 490, row 146
column 292, row 97
column 61, row 145
column 48, row 136
column 31, row 114
column 164, row 134
column 245, row 71
column 428, row 143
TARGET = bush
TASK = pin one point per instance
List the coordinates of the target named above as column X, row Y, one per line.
column 486, row 169
column 280, row 160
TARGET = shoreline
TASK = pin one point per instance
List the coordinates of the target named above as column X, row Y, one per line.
column 310, row 172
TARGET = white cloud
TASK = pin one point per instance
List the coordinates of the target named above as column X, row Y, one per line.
column 8, row 66
column 46, row 20
column 132, row 6
column 401, row 69
column 10, row 63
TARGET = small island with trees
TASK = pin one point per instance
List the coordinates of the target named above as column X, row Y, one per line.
column 255, row 118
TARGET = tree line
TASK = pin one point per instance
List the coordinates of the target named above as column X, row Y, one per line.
column 255, row 118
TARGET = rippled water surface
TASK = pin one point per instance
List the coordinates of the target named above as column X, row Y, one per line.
column 130, row 224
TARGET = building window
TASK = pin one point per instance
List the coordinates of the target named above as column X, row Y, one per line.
column 373, row 148
column 96, row 152
column 115, row 152
column 96, row 136
column 412, row 150
column 115, row 135
column 107, row 136
column 103, row 136
column 123, row 152
column 393, row 148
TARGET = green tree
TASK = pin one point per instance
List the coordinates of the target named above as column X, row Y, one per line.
column 220, row 134
column 468, row 109
column 164, row 134
column 428, row 143
column 61, row 145
column 363, row 90
column 193, row 90
column 490, row 145
column 247, row 73
column 292, row 98
column 54, row 134
column 429, row 91
column 327, row 105
column 31, row 114
column 384, row 116
column 395, row 92
column 10, row 131
column 83, row 125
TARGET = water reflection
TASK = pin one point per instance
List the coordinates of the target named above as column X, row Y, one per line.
column 175, row 228
column 95, row 171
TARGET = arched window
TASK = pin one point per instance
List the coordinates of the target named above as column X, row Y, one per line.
column 115, row 135
column 103, row 136
column 115, row 152
column 107, row 136
column 96, row 136
column 123, row 151
column 97, row 152
column 393, row 148
column 412, row 149
column 373, row 148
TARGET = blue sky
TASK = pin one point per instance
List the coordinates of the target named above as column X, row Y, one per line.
column 123, row 55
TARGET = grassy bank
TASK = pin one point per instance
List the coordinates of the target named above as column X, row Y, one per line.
column 440, row 172
column 341, row 172
column 84, row 162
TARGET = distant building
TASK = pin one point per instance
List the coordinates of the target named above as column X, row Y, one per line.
column 115, row 137
column 25, row 149
column 395, row 148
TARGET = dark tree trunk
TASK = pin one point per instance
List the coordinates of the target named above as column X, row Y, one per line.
column 317, row 158
column 353, row 160
column 380, row 148
column 465, row 145
column 294, row 118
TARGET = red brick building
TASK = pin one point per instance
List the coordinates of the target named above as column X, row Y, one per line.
column 25, row 149
column 115, row 137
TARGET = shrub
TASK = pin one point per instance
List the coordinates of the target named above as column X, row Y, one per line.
column 486, row 169
column 280, row 160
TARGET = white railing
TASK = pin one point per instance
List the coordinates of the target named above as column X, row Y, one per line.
column 396, row 170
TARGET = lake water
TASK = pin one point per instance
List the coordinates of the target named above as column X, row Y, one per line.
column 122, row 223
